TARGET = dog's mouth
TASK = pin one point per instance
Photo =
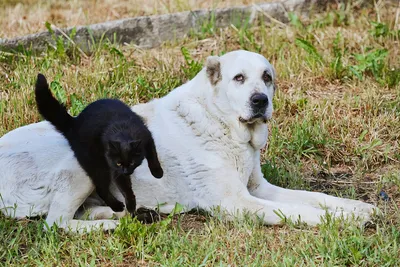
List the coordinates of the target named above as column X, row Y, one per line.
column 258, row 117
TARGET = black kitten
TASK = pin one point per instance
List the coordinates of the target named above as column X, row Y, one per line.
column 108, row 139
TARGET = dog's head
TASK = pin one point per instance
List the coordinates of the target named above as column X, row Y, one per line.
column 243, row 85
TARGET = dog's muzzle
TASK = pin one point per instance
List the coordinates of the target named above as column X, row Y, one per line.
column 258, row 104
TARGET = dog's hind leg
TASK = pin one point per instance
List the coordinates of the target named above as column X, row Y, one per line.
column 71, row 191
column 68, row 196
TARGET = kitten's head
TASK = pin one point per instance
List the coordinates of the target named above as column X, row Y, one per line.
column 124, row 155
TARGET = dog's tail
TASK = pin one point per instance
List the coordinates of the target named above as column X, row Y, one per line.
column 50, row 108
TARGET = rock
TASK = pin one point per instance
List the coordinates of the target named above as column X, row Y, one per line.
column 151, row 31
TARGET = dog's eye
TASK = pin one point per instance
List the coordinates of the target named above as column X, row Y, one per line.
column 119, row 164
column 266, row 77
column 239, row 78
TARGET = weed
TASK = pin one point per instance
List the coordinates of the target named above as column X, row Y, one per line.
column 383, row 30
column 370, row 63
column 192, row 67
column 310, row 49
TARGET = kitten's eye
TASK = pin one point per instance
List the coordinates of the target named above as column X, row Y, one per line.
column 119, row 164
column 239, row 78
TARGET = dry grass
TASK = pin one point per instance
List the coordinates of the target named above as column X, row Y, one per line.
column 28, row 16
column 332, row 132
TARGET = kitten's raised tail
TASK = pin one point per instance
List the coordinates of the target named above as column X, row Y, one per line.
column 50, row 108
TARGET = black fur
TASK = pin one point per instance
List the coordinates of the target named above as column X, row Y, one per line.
column 109, row 140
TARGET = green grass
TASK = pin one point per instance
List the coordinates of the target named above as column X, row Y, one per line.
column 336, row 129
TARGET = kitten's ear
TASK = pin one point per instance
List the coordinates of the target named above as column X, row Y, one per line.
column 152, row 159
column 135, row 144
column 114, row 145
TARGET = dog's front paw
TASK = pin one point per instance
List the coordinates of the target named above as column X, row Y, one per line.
column 360, row 219
column 362, row 208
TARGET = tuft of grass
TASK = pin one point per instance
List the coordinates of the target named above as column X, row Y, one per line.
column 335, row 130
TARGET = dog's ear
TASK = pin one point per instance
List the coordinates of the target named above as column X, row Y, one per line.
column 213, row 69
column 152, row 159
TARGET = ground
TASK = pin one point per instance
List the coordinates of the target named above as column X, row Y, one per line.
column 336, row 129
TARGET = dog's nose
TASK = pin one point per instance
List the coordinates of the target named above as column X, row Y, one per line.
column 259, row 100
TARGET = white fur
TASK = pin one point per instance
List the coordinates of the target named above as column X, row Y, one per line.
column 209, row 158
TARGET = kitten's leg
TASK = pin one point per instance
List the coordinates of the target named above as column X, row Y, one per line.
column 143, row 215
column 109, row 199
column 125, row 186
column 152, row 159
column 102, row 178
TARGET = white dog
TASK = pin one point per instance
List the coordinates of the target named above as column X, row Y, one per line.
column 208, row 133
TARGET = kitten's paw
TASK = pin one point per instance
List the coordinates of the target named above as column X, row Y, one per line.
column 131, row 209
column 147, row 216
column 157, row 172
column 117, row 206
